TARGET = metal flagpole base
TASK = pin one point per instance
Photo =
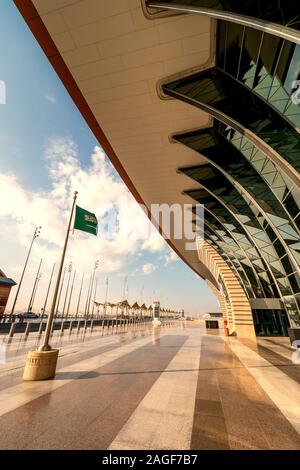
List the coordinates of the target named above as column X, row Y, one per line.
column 40, row 365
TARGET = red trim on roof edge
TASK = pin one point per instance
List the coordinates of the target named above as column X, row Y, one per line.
column 39, row 30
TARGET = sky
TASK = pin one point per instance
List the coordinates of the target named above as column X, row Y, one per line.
column 47, row 151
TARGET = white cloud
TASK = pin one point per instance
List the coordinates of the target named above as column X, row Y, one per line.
column 99, row 191
column 149, row 268
column 50, row 98
column 171, row 257
column 154, row 243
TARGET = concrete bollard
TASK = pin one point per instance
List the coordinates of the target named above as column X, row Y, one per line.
column 85, row 325
column 70, row 327
column 78, row 326
column 92, row 325
column 12, row 330
column 40, row 365
column 62, row 327
column 27, row 329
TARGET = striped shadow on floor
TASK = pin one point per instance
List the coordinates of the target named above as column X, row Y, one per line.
column 89, row 413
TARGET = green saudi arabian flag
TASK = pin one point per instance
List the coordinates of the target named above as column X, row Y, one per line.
column 85, row 221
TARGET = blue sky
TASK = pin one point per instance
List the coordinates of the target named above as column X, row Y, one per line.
column 45, row 149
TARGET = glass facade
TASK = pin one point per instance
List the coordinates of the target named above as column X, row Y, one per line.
column 264, row 63
column 226, row 251
column 226, row 96
column 249, row 184
column 284, row 12
column 284, row 190
column 262, row 236
column 251, row 257
column 226, row 244
column 218, row 151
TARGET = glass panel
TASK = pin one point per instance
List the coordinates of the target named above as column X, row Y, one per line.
column 249, row 57
column 234, row 39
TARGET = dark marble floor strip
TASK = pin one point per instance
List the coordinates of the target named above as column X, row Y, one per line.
column 209, row 427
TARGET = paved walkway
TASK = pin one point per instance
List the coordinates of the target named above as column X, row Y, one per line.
column 174, row 388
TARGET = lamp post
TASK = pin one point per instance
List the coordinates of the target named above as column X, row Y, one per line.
column 36, row 281
column 36, row 234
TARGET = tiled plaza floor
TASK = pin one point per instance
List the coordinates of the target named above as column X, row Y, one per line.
column 177, row 387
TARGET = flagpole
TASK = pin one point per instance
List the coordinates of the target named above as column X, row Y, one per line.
column 60, row 292
column 79, row 297
column 46, row 346
column 48, row 290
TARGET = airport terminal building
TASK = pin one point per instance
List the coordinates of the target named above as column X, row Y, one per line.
column 197, row 101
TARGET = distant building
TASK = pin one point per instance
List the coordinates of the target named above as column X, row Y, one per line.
column 5, row 285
